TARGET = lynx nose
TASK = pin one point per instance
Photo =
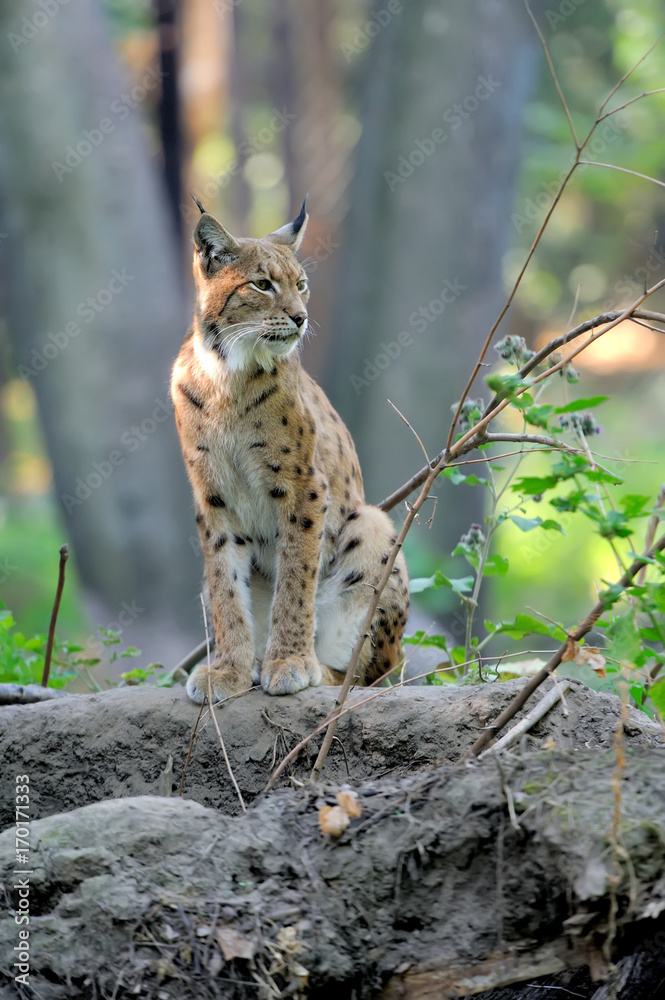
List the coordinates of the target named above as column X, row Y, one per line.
column 299, row 319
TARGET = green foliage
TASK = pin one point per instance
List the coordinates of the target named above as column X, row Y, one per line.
column 633, row 650
column 22, row 659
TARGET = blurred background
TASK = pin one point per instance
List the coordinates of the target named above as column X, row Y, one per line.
column 430, row 140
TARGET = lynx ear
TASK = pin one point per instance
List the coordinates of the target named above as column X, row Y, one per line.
column 291, row 235
column 214, row 245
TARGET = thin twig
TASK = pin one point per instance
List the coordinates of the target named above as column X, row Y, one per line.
column 559, row 91
column 64, row 553
column 401, row 415
column 214, row 717
column 617, row 86
column 378, row 694
column 622, row 170
column 534, row 716
column 189, row 751
column 579, row 147
column 516, row 704
column 407, row 488
column 626, row 104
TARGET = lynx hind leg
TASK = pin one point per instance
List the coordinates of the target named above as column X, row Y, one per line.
column 343, row 599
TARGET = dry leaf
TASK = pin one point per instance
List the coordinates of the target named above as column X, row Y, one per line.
column 234, row 944
column 593, row 658
column 571, row 651
column 348, row 801
column 287, row 940
column 333, row 820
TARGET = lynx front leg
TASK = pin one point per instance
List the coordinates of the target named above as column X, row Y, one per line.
column 227, row 559
column 290, row 662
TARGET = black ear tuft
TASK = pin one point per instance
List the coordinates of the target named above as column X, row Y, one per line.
column 300, row 220
column 198, row 204
column 292, row 234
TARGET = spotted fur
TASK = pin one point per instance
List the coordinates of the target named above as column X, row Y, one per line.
column 291, row 549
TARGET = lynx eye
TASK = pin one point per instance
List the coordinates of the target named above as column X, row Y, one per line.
column 263, row 285
column 301, row 285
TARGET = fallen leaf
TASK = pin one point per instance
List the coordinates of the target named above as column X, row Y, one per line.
column 234, row 944
column 333, row 820
column 348, row 801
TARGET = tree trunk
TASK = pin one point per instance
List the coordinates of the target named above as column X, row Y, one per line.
column 96, row 314
column 429, row 221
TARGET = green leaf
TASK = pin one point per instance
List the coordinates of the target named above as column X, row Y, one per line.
column 581, row 404
column 525, row 523
column 438, row 580
column 522, row 402
column 613, row 525
column 571, row 502
column 456, row 477
column 598, row 476
column 534, row 485
column 550, row 525
column 506, row 386
column 420, row 639
column 495, row 565
column 527, row 625
column 625, row 643
column 633, row 504
column 537, row 416
column 657, row 696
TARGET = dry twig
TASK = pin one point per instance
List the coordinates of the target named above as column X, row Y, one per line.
column 64, row 553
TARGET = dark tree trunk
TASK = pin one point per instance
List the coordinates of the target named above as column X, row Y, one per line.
column 420, row 263
column 96, row 314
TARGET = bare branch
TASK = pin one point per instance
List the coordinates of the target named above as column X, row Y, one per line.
column 622, row 170
column 401, row 415
column 626, row 104
column 553, row 75
column 64, row 553
column 629, row 73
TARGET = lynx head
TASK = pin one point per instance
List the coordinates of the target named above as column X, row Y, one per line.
column 251, row 295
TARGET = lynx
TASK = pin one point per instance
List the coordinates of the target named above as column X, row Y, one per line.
column 291, row 550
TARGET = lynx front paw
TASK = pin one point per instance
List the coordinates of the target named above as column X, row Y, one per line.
column 290, row 675
column 225, row 681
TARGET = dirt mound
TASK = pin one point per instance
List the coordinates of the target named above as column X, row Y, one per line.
column 447, row 884
column 544, row 861
column 86, row 748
